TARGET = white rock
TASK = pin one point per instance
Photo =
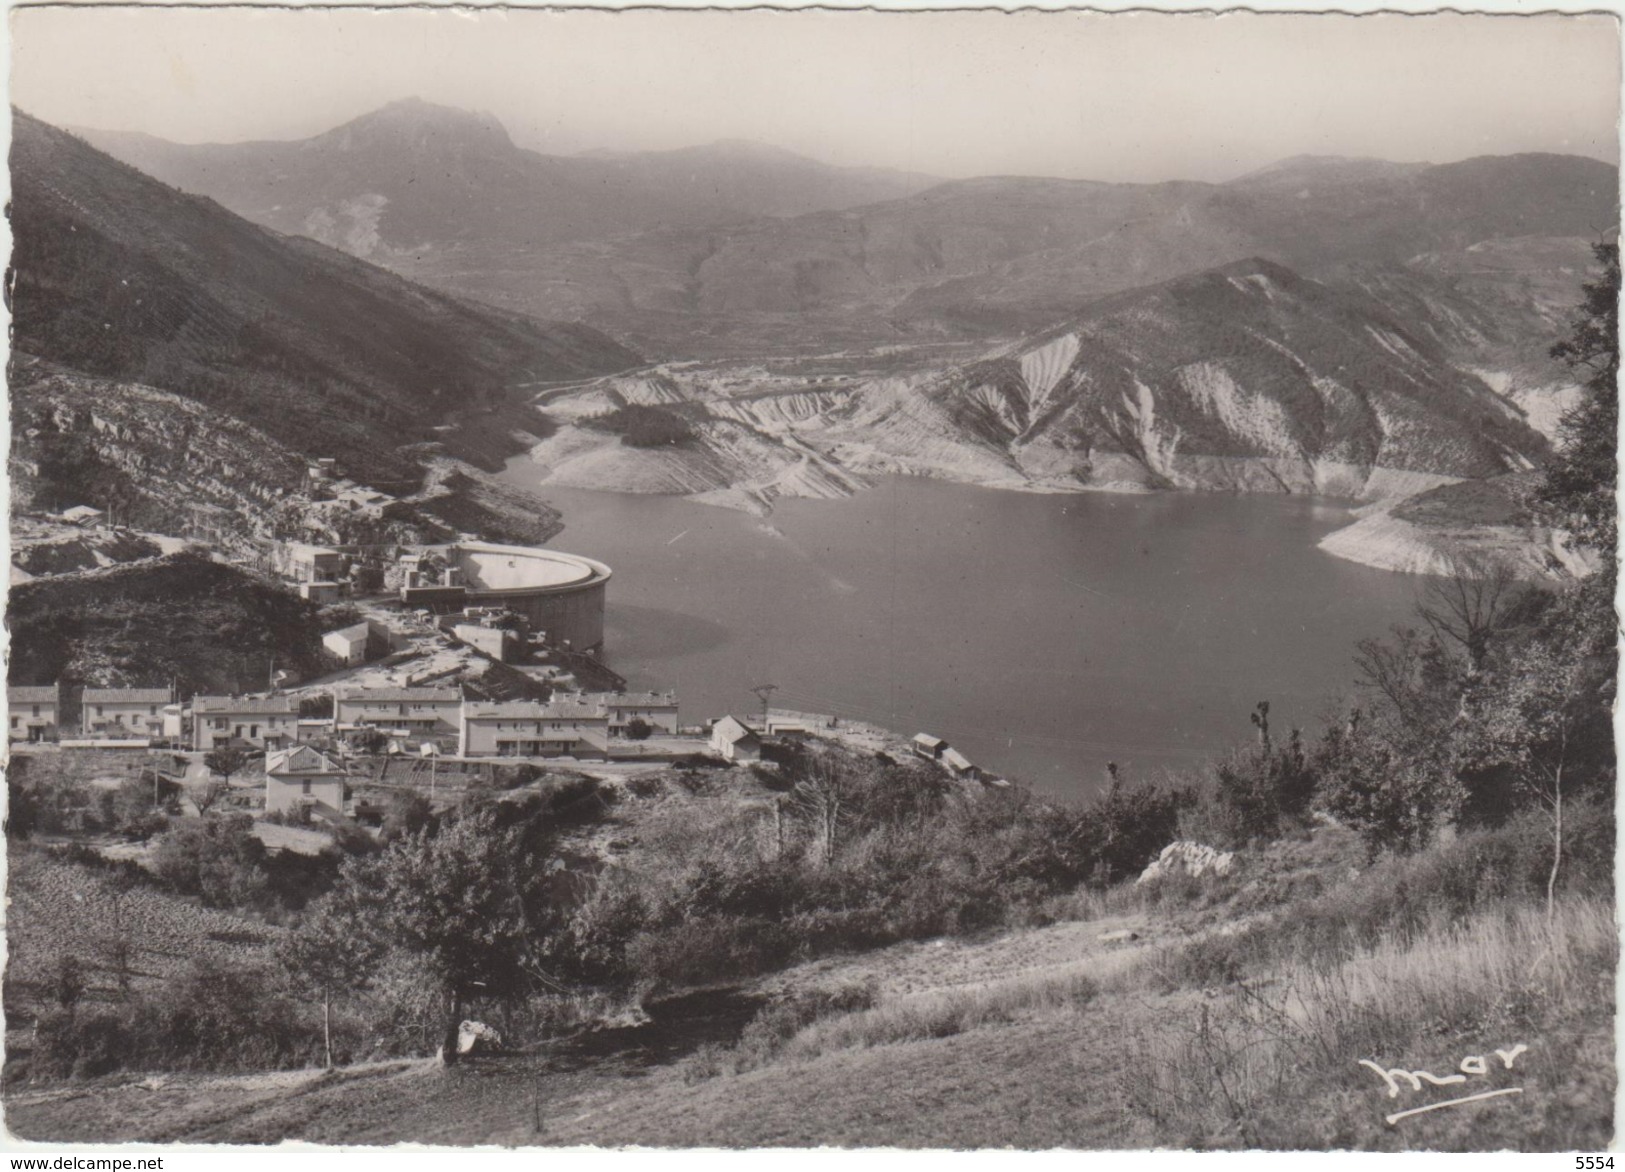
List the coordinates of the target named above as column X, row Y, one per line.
column 475, row 1037
column 1190, row 857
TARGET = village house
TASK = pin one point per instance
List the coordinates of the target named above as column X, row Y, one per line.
column 656, row 709
column 33, row 712
column 308, row 563
column 359, row 642
column 123, row 712
column 523, row 728
column 264, row 722
column 733, row 740
column 406, row 712
column 302, row 778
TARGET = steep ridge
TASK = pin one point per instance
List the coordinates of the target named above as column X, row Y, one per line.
column 167, row 464
column 118, row 276
column 1246, row 378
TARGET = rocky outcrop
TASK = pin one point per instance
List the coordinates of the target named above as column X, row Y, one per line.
column 475, row 1037
column 1189, row 858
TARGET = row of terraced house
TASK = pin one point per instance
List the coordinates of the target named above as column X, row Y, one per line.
column 580, row 726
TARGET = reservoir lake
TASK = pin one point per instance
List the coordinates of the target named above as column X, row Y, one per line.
column 1041, row 634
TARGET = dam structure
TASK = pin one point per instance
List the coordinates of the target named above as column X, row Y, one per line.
column 556, row 592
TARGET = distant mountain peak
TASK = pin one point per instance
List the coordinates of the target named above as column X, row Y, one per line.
column 421, row 124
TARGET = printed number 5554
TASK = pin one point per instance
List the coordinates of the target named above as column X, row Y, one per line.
column 1593, row 1163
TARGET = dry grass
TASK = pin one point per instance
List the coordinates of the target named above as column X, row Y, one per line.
column 943, row 1013
column 1276, row 1062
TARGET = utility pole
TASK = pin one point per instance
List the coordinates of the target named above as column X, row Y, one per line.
column 765, row 693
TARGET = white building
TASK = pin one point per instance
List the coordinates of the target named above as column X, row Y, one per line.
column 32, row 713
column 523, row 728
column 264, row 722
column 733, row 740
column 123, row 712
column 656, row 709
column 302, row 778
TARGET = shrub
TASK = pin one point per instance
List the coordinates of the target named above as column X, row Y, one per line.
column 638, row 729
column 646, row 786
column 216, row 857
column 211, row 1018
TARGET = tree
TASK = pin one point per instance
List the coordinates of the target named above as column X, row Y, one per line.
column 1547, row 721
column 225, row 761
column 207, row 793
column 1408, row 676
column 469, row 901
column 638, row 729
column 218, row 858
column 1473, row 607
column 138, row 807
column 406, row 813
column 1258, row 787
column 825, row 795
column 371, row 741
column 1580, row 480
column 334, row 950
column 1392, row 787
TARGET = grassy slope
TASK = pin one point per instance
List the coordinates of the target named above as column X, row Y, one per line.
column 62, row 907
column 1041, row 1037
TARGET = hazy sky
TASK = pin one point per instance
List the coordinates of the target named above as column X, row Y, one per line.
column 1121, row 97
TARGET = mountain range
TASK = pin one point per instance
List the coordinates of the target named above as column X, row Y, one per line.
column 733, row 248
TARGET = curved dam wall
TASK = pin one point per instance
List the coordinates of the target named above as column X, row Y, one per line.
column 559, row 593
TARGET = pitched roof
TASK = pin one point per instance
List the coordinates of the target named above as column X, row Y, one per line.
column 927, row 741
column 354, row 631
column 531, row 710
column 267, row 705
column 300, row 759
column 734, row 730
column 126, row 696
column 956, row 760
column 49, row 693
column 367, row 695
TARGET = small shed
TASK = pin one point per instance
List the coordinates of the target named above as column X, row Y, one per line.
column 733, row 740
column 959, row 765
column 929, row 747
column 82, row 515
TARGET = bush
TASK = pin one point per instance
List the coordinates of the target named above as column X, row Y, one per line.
column 646, row 786
column 216, row 858
column 638, row 729
column 211, row 1018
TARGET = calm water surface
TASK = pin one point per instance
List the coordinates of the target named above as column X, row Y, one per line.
column 1042, row 634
